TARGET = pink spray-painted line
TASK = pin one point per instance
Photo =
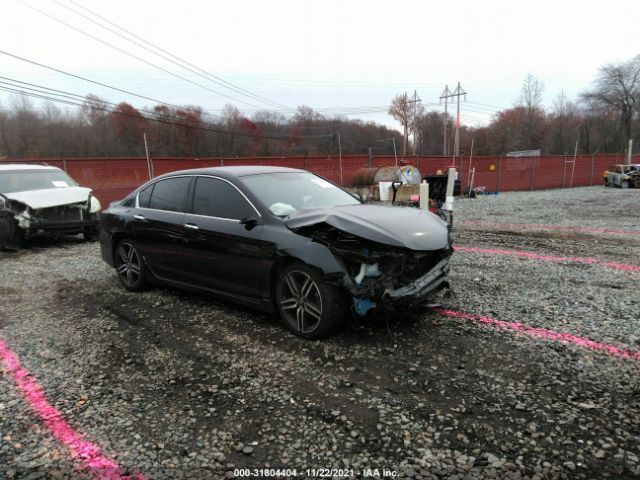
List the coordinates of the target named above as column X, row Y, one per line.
column 538, row 226
column 92, row 458
column 551, row 258
column 544, row 333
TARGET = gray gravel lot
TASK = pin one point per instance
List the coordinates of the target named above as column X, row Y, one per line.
column 182, row 386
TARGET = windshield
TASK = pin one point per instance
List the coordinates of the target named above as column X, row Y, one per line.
column 287, row 193
column 23, row 180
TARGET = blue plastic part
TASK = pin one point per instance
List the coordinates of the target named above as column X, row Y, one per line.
column 363, row 305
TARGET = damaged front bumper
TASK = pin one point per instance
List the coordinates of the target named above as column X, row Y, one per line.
column 414, row 293
column 424, row 287
column 68, row 228
column 49, row 223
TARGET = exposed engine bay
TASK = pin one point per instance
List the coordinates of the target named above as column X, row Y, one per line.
column 379, row 275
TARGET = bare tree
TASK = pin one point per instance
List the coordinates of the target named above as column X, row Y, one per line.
column 531, row 101
column 402, row 111
column 531, row 92
column 306, row 118
column 231, row 118
column 430, row 128
column 618, row 85
column 564, row 124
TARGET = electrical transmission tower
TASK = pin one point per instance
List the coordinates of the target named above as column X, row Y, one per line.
column 446, row 95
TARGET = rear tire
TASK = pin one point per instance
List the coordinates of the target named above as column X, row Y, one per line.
column 309, row 307
column 130, row 266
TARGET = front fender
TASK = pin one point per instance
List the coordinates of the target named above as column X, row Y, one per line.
column 315, row 255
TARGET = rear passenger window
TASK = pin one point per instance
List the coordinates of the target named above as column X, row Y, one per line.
column 217, row 198
column 144, row 196
column 170, row 194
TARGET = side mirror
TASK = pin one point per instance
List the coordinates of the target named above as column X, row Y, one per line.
column 249, row 222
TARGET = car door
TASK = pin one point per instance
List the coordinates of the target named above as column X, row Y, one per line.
column 158, row 226
column 225, row 252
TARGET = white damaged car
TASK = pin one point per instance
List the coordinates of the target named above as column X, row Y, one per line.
column 40, row 200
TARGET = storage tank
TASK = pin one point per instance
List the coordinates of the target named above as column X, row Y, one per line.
column 374, row 175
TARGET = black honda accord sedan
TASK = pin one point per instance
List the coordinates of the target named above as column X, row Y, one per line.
column 278, row 239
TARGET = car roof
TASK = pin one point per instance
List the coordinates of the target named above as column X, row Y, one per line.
column 25, row 166
column 235, row 171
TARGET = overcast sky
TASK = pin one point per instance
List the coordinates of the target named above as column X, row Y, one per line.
column 335, row 56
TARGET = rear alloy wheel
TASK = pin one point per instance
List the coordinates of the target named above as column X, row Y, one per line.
column 131, row 269
column 310, row 308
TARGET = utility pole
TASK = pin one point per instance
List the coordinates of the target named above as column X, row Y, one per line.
column 446, row 93
column 395, row 154
column 415, row 101
column 458, row 92
column 149, row 162
column 340, row 156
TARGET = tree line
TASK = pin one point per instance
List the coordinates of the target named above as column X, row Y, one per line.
column 100, row 129
column 602, row 120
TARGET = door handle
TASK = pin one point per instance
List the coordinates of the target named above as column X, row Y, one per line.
column 192, row 226
column 139, row 217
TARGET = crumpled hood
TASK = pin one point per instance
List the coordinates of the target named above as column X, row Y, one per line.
column 50, row 197
column 397, row 226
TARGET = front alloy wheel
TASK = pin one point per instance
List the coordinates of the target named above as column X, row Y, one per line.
column 130, row 266
column 308, row 307
column 301, row 301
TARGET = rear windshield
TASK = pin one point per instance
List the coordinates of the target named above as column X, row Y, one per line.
column 24, row 180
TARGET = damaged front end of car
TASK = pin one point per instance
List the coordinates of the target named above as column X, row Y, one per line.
column 20, row 222
column 381, row 276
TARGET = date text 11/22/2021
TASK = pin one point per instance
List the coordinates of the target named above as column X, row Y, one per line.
column 314, row 473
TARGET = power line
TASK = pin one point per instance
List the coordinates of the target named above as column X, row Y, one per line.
column 40, row 89
column 129, row 54
column 92, row 81
column 489, row 106
column 59, row 94
column 168, row 55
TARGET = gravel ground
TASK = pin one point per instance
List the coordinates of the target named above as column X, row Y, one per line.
column 182, row 386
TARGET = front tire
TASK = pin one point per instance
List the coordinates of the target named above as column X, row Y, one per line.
column 308, row 307
column 130, row 266
column 11, row 235
column 625, row 184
